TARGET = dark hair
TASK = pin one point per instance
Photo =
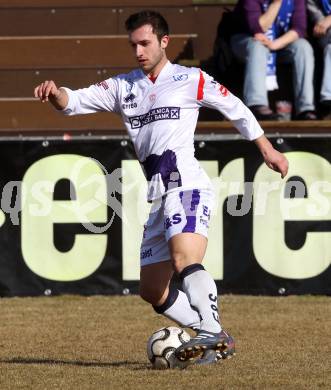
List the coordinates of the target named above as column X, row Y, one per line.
column 156, row 20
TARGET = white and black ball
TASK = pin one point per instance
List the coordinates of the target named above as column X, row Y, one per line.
column 162, row 345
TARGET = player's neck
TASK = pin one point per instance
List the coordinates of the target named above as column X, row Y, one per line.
column 154, row 73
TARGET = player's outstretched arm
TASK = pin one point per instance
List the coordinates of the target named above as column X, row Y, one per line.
column 48, row 91
column 274, row 159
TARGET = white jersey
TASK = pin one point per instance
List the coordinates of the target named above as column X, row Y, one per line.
column 161, row 118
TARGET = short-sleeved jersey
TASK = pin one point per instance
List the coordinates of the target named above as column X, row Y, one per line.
column 161, row 118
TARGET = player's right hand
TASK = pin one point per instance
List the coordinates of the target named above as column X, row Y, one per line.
column 46, row 90
column 277, row 162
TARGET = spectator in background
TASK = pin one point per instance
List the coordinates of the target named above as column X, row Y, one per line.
column 320, row 13
column 268, row 32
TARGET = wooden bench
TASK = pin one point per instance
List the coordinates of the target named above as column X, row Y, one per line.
column 21, row 83
column 29, row 115
column 92, row 3
column 70, row 52
column 39, row 36
column 74, row 61
column 86, row 20
column 80, row 17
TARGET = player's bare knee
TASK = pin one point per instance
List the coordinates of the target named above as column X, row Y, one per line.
column 179, row 261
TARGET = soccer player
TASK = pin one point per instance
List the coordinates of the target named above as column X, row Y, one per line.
column 159, row 103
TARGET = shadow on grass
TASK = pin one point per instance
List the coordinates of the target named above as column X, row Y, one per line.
column 126, row 363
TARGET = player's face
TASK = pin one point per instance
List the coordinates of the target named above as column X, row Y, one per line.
column 149, row 51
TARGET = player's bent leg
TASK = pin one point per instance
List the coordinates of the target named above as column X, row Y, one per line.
column 187, row 251
column 167, row 300
column 186, row 220
column 177, row 308
column 154, row 282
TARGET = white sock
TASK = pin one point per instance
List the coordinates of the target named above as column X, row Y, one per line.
column 201, row 291
column 177, row 307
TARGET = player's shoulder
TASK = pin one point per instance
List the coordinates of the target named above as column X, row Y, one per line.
column 182, row 72
column 133, row 76
column 190, row 73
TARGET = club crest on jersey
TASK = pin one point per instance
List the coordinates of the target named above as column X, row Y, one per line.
column 154, row 115
column 103, row 84
column 180, row 77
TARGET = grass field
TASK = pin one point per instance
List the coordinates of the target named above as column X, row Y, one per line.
column 74, row 342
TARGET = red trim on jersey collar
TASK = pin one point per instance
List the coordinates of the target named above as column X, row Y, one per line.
column 152, row 78
column 200, row 86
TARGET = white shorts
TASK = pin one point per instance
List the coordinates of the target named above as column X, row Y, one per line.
column 177, row 212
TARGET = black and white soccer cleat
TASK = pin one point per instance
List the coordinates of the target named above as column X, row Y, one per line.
column 221, row 343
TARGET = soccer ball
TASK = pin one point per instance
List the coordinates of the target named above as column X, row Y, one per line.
column 162, row 345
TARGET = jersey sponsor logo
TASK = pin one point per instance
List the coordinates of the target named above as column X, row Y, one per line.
column 213, row 306
column 206, row 211
column 146, row 253
column 174, row 220
column 157, row 114
column 204, row 222
column 180, row 77
column 127, row 106
column 145, row 229
column 224, row 91
column 103, row 84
